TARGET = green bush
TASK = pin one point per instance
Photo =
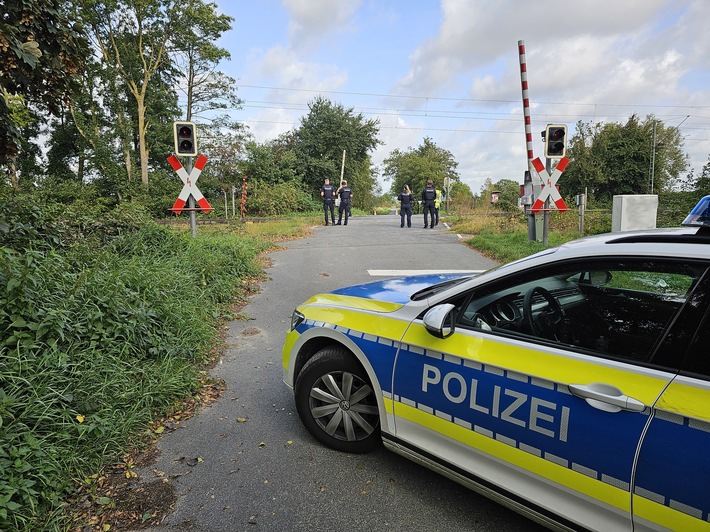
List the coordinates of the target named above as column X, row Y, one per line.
column 279, row 200
column 674, row 207
column 103, row 324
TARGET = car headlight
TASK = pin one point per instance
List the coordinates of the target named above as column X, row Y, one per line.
column 296, row 319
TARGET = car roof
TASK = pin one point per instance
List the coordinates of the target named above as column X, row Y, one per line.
column 680, row 242
column 672, row 235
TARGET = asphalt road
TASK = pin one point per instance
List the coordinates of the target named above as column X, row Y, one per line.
column 255, row 466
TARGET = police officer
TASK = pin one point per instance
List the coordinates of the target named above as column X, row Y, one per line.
column 327, row 192
column 428, row 197
column 345, row 197
column 405, row 208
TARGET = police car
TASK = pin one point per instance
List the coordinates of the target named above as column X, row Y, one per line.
column 573, row 386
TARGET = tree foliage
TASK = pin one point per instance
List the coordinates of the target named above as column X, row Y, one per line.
column 133, row 38
column 508, row 194
column 41, row 53
column 631, row 158
column 114, row 127
column 295, row 164
column 415, row 166
column 328, row 130
column 196, row 56
column 698, row 184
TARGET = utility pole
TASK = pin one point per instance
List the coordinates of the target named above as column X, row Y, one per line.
column 342, row 168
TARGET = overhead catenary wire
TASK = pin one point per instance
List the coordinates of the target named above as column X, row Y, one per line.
column 432, row 112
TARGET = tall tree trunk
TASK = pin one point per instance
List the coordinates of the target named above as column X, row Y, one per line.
column 12, row 174
column 125, row 147
column 142, row 145
column 80, row 168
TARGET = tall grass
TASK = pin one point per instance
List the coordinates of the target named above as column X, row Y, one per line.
column 103, row 328
column 504, row 236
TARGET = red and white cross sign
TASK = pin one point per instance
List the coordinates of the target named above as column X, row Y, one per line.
column 189, row 184
column 548, row 185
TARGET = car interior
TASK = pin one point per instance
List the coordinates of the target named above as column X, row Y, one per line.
column 618, row 310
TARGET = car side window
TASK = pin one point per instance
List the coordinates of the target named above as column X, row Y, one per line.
column 661, row 283
column 699, row 359
column 615, row 309
column 695, row 332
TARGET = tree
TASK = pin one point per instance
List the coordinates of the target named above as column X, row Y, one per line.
column 460, row 195
column 65, row 149
column 24, row 124
column 41, row 53
column 133, row 38
column 508, row 194
column 416, row 165
column 99, row 111
column 698, row 184
column 196, row 58
column 587, row 169
column 270, row 163
column 324, row 134
column 631, row 158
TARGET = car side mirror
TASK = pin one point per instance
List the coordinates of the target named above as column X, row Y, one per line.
column 439, row 320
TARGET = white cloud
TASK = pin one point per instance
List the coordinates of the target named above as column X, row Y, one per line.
column 453, row 73
column 289, row 71
column 311, row 21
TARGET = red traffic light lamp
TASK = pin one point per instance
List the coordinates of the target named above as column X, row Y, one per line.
column 555, row 141
column 185, row 138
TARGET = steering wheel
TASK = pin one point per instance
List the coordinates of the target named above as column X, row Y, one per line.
column 549, row 323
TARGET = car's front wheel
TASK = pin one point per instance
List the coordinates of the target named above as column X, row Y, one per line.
column 336, row 402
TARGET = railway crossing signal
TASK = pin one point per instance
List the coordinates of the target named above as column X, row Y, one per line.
column 185, row 138
column 555, row 141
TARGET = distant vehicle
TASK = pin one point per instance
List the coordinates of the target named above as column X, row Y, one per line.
column 572, row 386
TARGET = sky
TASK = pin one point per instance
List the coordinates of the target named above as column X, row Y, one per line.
column 450, row 70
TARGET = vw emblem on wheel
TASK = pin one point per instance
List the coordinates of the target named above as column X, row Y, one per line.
column 344, row 405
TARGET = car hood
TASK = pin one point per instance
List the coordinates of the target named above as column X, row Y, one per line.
column 396, row 290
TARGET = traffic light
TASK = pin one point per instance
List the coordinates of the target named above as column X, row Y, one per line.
column 185, row 138
column 555, row 141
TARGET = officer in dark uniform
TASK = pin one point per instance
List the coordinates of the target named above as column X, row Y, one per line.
column 345, row 197
column 428, row 197
column 327, row 192
column 405, row 207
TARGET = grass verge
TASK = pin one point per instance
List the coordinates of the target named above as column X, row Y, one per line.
column 103, row 338
column 503, row 237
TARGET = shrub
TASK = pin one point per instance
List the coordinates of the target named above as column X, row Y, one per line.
column 104, row 321
column 279, row 200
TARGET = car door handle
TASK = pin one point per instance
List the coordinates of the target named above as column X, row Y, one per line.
column 606, row 397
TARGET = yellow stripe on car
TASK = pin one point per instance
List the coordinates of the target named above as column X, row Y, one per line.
column 617, row 497
column 358, row 303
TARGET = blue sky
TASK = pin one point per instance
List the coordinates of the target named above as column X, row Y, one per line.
column 450, row 70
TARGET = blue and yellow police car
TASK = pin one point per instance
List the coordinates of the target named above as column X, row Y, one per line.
column 573, row 386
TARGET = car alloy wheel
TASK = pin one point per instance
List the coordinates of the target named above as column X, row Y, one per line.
column 337, row 403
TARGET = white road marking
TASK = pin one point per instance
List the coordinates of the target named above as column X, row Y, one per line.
column 401, row 273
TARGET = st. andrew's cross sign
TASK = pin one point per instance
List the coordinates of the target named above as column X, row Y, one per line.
column 549, row 189
column 189, row 184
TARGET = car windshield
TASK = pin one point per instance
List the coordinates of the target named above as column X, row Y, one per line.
column 435, row 289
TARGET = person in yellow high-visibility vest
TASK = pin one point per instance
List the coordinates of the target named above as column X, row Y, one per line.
column 437, row 204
